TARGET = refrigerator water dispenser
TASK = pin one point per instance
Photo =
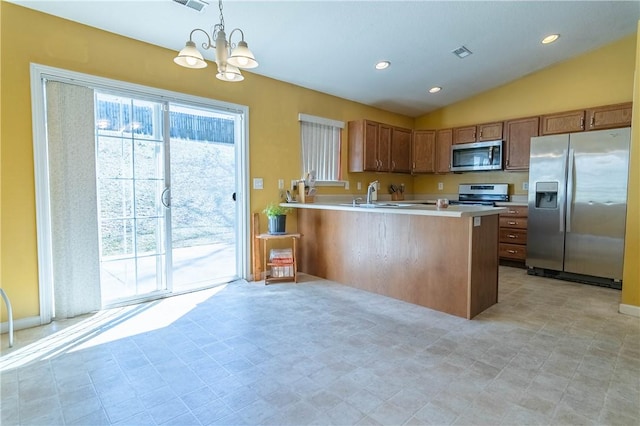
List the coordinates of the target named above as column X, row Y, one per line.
column 546, row 195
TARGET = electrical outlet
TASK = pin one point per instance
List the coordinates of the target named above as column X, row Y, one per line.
column 280, row 183
column 258, row 183
column 525, row 186
column 440, row 186
column 359, row 186
column 346, row 186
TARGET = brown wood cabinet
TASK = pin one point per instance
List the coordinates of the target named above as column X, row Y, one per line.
column 610, row 116
column 464, row 134
column 513, row 234
column 400, row 150
column 369, row 146
column 444, row 139
column 378, row 147
column 518, row 134
column 423, row 151
column 564, row 122
column 479, row 133
column 490, row 132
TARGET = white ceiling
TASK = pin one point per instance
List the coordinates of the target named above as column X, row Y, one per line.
column 331, row 46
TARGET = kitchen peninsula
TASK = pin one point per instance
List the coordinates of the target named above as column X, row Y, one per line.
column 443, row 259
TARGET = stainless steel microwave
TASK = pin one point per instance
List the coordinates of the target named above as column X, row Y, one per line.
column 466, row 157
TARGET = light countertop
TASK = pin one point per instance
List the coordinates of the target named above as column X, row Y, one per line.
column 406, row 207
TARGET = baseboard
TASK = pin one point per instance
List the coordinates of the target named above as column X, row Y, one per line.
column 20, row 324
column 634, row 311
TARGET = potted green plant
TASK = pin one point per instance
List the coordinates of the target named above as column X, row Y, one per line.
column 277, row 216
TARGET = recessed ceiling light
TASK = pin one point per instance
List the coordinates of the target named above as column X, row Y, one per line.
column 550, row 38
column 382, row 65
column 435, row 89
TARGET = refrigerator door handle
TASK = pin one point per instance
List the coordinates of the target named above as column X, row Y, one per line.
column 562, row 201
column 570, row 188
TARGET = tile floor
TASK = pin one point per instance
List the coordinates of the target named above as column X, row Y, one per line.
column 550, row 352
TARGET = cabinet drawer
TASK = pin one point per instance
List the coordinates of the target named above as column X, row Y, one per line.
column 513, row 222
column 521, row 211
column 513, row 236
column 513, row 251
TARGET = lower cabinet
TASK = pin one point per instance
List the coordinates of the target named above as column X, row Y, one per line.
column 513, row 234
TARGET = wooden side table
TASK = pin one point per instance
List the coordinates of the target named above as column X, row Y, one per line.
column 269, row 278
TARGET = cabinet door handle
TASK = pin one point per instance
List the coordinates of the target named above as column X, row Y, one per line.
column 512, row 223
column 512, row 236
column 593, row 121
column 512, row 251
column 513, row 211
column 481, row 133
column 582, row 123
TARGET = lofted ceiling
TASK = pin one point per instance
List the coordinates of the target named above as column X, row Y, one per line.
column 332, row 46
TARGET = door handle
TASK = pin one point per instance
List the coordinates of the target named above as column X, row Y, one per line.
column 564, row 200
column 165, row 197
column 570, row 188
column 233, row 197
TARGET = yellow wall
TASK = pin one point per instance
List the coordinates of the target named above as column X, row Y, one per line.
column 631, row 276
column 29, row 36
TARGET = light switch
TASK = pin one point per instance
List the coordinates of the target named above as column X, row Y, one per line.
column 280, row 183
column 477, row 220
column 440, row 186
column 258, row 183
column 346, row 185
column 359, row 186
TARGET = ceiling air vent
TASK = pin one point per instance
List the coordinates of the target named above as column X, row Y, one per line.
column 462, row 52
column 193, row 4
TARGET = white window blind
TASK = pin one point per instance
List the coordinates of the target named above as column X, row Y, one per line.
column 320, row 140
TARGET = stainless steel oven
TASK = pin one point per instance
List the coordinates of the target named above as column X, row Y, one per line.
column 486, row 194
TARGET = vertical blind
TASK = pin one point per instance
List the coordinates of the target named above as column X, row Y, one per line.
column 320, row 140
column 73, row 198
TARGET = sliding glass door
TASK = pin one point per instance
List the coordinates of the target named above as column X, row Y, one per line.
column 131, row 175
column 203, row 206
column 166, row 196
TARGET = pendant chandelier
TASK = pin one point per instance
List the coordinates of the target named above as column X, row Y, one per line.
column 229, row 57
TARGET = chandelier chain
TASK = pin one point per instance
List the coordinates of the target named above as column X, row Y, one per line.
column 221, row 16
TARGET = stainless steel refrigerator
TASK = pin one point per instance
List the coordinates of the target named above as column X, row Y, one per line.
column 577, row 206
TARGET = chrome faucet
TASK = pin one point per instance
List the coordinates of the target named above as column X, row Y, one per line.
column 355, row 201
column 370, row 189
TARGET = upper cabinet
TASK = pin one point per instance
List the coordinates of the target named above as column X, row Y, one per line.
column 464, row 134
column 518, row 134
column 490, row 132
column 444, row 138
column 610, row 116
column 400, row 150
column 598, row 118
column 369, row 146
column 564, row 122
column 479, row 133
column 377, row 147
column 423, row 150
